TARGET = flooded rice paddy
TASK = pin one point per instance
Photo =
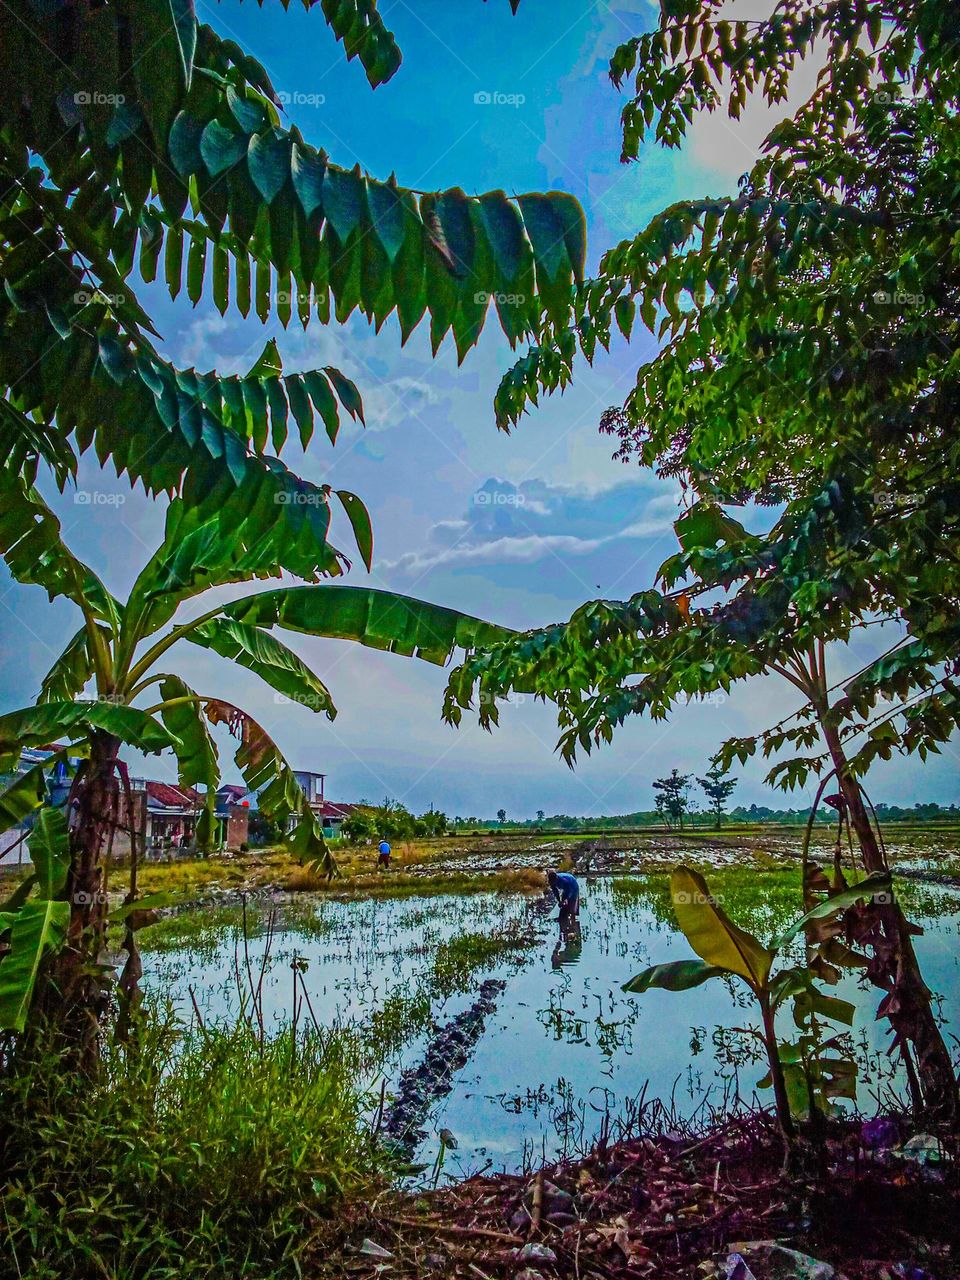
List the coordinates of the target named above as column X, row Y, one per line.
column 560, row 1052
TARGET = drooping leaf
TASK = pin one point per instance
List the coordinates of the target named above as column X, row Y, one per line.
column 49, row 846
column 360, row 522
column 879, row 883
column 712, row 934
column 677, row 975
column 71, row 672
column 197, row 762
column 267, row 772
column 377, row 619
column 266, row 657
column 39, row 927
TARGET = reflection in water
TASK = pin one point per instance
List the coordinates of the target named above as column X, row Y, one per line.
column 569, row 947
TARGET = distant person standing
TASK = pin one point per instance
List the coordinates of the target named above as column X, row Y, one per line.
column 383, row 857
column 566, row 890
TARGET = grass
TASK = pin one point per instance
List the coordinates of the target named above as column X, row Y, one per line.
column 202, row 928
column 203, row 1152
column 763, row 901
column 275, row 869
column 458, row 961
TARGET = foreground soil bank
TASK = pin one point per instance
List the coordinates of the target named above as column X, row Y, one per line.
column 673, row 1207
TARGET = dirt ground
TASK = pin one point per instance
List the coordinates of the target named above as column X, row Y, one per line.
column 668, row 1207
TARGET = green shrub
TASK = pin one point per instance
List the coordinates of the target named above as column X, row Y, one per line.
column 201, row 1153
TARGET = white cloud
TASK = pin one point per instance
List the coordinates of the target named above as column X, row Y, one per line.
column 730, row 147
column 525, row 523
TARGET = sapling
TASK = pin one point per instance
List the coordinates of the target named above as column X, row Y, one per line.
column 725, row 950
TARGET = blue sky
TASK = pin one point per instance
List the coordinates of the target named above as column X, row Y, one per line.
column 521, row 528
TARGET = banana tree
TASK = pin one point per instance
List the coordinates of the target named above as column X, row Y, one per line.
column 112, row 687
column 802, row 1077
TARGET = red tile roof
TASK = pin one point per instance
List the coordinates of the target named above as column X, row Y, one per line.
column 172, row 797
column 330, row 810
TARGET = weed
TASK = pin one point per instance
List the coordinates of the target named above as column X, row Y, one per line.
column 194, row 1151
column 458, row 961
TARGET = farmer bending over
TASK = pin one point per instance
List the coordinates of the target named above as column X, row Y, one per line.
column 566, row 890
column 383, row 856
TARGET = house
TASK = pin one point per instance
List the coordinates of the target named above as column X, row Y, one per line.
column 167, row 815
column 232, row 809
column 311, row 784
column 235, row 793
column 332, row 815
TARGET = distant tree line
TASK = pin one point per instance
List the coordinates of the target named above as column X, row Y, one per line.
column 929, row 812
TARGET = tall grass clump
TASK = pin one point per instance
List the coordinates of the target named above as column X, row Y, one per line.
column 201, row 1152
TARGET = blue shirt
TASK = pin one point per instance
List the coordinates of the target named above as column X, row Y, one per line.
column 566, row 890
column 384, row 847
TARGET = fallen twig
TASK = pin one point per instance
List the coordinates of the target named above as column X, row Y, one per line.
column 449, row 1228
column 536, row 1204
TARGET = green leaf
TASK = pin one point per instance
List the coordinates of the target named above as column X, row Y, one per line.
column 184, row 144
column 268, row 157
column 35, row 726
column 706, row 525
column 377, row 619
column 360, row 522
column 40, row 926
column 307, row 169
column 49, row 845
column 323, row 402
column 547, row 234
column 269, row 364
column 30, row 543
column 264, row 655
column 221, row 147
column 149, row 902
column 676, row 975
column 344, row 200
column 879, row 883
column 347, row 392
column 197, row 763
column 185, row 27
column 158, row 64
column 24, row 795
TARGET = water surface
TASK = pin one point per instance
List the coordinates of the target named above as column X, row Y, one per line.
column 566, row 1050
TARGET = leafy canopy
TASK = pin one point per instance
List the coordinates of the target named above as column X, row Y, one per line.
column 135, row 140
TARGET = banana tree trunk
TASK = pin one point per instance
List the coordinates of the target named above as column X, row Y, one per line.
column 76, row 995
column 894, row 967
column 781, row 1099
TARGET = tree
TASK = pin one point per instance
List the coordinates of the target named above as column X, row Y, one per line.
column 673, row 797
column 359, row 827
column 434, row 822
column 501, row 816
column 807, row 333
column 120, row 647
column 115, row 121
column 718, row 788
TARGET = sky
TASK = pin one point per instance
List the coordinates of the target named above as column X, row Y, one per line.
column 520, row 529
